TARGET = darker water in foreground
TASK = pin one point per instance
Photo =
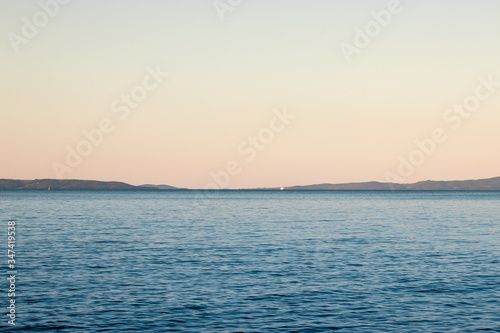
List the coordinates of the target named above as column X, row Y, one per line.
column 92, row 261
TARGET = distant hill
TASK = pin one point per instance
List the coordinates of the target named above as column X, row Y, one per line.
column 161, row 187
column 491, row 184
column 66, row 184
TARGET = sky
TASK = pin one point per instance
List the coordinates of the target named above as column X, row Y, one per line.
column 249, row 93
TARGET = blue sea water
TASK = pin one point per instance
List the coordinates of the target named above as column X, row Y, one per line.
column 254, row 261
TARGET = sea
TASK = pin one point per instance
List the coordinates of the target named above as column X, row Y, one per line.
column 252, row 261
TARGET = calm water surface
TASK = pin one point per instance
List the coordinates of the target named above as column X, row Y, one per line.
column 120, row 261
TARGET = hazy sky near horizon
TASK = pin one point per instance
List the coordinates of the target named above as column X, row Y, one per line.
column 227, row 80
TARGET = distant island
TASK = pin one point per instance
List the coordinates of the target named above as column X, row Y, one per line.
column 491, row 184
column 74, row 184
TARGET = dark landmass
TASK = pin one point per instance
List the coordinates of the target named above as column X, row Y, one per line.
column 66, row 184
column 162, row 187
column 491, row 184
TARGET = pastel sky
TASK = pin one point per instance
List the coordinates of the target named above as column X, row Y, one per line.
column 229, row 74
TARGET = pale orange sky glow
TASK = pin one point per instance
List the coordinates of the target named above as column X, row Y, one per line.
column 174, row 92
